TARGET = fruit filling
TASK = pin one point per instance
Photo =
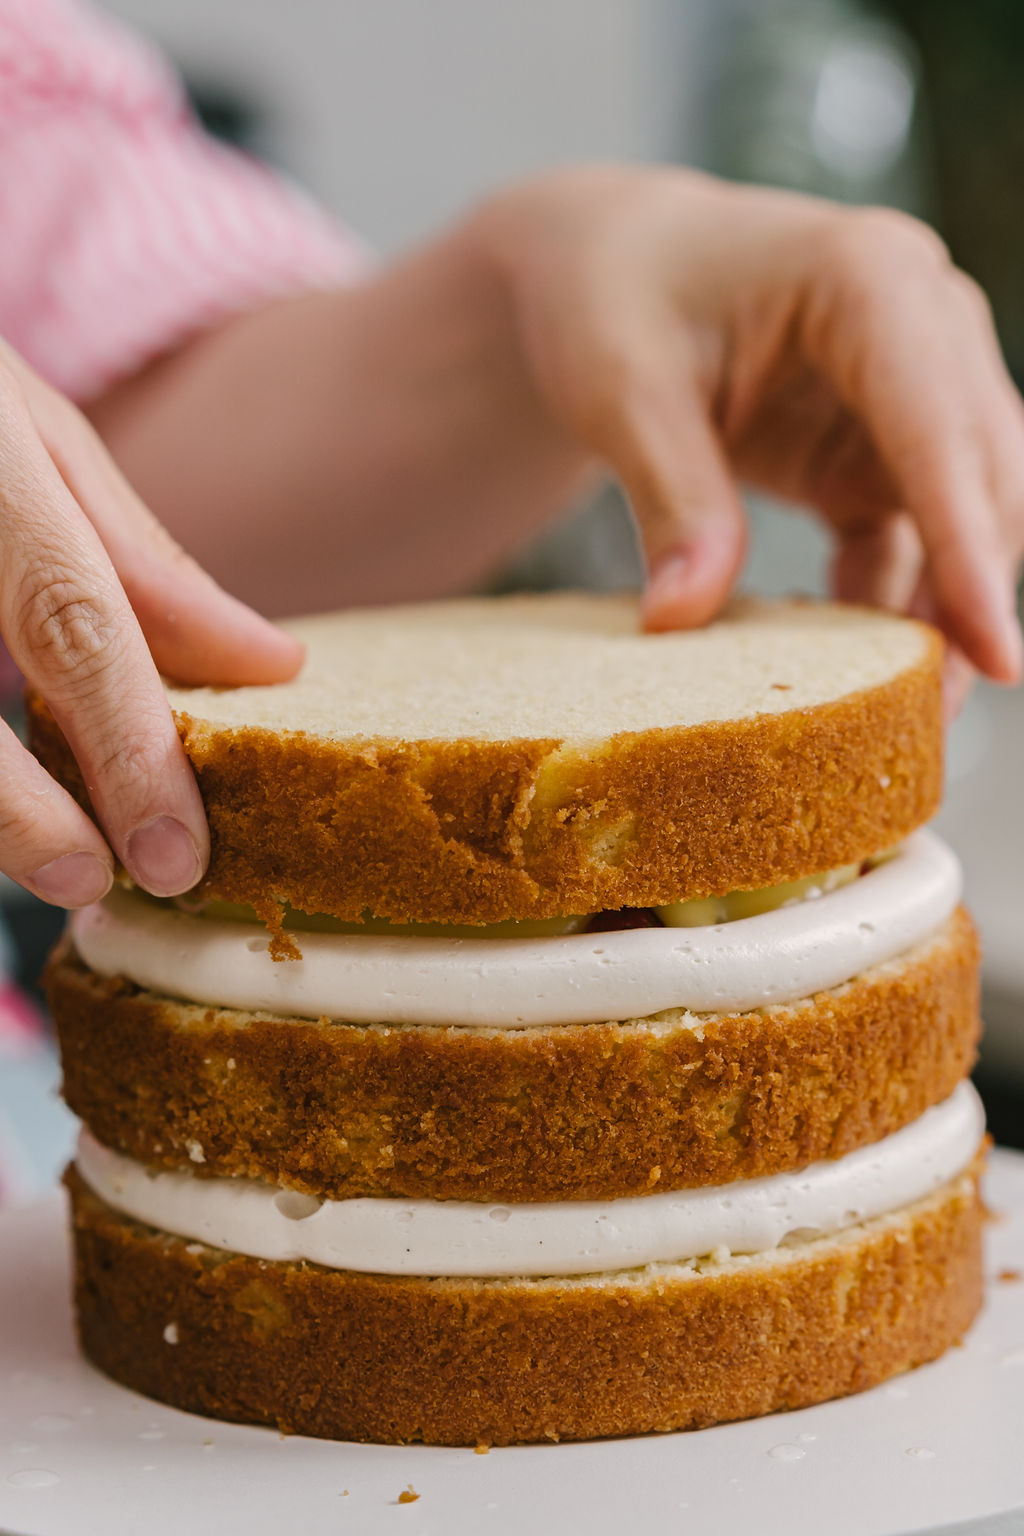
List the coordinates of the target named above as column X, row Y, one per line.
column 701, row 912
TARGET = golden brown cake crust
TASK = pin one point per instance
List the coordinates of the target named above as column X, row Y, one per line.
column 476, row 831
column 463, row 1362
column 578, row 1112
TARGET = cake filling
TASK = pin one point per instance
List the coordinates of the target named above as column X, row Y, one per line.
column 773, row 957
column 699, row 912
column 468, row 1239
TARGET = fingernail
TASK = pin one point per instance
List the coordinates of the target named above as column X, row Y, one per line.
column 957, row 676
column 73, row 880
column 161, row 855
column 1014, row 645
column 665, row 582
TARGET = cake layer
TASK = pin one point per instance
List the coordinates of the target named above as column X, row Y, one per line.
column 589, row 1112
column 560, row 1237
column 459, row 1362
column 523, row 758
column 775, row 957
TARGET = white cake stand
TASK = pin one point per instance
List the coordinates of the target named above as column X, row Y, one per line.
column 939, row 1450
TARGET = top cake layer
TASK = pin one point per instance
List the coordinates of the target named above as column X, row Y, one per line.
column 485, row 760
column 569, row 666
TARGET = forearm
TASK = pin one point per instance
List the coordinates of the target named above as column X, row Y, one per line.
column 372, row 443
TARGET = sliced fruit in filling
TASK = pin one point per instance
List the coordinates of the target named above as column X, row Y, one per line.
column 706, row 910
column 700, row 912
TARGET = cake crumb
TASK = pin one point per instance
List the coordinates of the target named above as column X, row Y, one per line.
column 408, row 1495
column 195, row 1151
column 481, row 1450
column 231, row 1063
column 171, row 1333
column 1009, row 1276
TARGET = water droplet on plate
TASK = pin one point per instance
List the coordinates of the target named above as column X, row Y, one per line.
column 51, row 1423
column 151, row 1434
column 33, row 1477
column 22, row 1448
column 919, row 1453
column 806, row 1439
column 1015, row 1357
column 787, row 1452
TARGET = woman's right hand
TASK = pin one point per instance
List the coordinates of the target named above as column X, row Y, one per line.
column 96, row 600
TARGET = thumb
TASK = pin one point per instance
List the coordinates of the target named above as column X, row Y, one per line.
column 690, row 518
column 196, row 632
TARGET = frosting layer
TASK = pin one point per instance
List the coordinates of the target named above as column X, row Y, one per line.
column 455, row 1237
column 775, row 957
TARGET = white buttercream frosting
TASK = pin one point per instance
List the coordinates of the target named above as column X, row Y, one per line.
column 458, row 1237
column 775, row 957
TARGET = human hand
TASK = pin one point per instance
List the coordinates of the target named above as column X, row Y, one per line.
column 95, row 597
column 691, row 333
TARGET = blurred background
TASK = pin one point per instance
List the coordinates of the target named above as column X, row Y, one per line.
column 397, row 113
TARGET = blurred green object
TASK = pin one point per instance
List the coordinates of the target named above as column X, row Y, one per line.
column 918, row 104
column 972, row 54
column 822, row 96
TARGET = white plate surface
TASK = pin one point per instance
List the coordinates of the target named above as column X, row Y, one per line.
column 80, row 1456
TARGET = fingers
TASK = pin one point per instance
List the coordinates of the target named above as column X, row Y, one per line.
column 686, row 504
column 47, row 844
column 957, row 679
column 879, row 564
column 72, row 632
column 197, row 633
column 888, row 326
column 653, row 428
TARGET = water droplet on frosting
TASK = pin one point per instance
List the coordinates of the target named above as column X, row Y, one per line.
column 296, row 1206
column 499, row 1213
